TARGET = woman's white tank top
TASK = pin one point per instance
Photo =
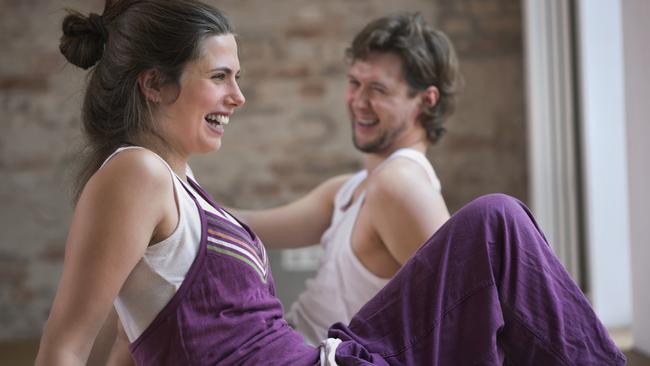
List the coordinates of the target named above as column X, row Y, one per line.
column 162, row 269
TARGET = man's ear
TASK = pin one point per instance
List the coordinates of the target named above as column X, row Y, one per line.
column 149, row 84
column 430, row 96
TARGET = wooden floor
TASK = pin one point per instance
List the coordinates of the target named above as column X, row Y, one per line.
column 23, row 353
column 637, row 359
column 18, row 353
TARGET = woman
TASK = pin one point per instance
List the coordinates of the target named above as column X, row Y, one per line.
column 191, row 284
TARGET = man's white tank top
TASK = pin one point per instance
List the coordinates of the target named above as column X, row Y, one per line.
column 162, row 269
column 342, row 284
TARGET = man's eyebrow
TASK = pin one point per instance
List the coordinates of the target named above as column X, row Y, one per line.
column 372, row 83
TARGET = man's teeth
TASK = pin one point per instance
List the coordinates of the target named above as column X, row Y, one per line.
column 367, row 123
column 219, row 119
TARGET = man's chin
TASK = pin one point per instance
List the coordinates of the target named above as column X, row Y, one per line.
column 368, row 148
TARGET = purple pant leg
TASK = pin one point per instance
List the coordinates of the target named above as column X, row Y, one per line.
column 486, row 289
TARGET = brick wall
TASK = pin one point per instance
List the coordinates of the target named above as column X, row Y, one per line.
column 292, row 134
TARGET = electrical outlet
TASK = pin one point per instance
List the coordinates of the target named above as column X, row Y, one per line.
column 302, row 259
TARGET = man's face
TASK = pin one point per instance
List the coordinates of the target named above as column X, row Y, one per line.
column 383, row 114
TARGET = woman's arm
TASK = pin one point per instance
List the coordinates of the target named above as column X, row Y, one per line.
column 120, row 355
column 121, row 210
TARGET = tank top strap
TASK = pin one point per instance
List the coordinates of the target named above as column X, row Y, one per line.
column 119, row 150
column 345, row 193
column 130, row 147
column 420, row 159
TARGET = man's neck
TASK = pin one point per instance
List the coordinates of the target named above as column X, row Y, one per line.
column 372, row 160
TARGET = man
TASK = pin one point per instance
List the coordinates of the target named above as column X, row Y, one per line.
column 402, row 79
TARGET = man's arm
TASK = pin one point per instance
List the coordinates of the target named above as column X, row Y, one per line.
column 296, row 224
column 405, row 210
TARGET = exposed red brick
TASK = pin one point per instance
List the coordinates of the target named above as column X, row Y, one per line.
column 293, row 71
column 266, row 189
column 36, row 83
column 312, row 89
column 306, row 30
column 52, row 253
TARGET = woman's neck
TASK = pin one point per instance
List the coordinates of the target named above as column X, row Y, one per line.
column 175, row 160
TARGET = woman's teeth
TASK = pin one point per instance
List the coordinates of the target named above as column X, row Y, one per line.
column 218, row 119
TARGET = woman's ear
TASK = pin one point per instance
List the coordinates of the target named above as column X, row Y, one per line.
column 430, row 96
column 149, row 84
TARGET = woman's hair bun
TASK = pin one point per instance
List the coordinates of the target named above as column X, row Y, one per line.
column 83, row 39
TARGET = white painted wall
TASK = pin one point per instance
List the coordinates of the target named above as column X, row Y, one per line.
column 601, row 78
column 636, row 51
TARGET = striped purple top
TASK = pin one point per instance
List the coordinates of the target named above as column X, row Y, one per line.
column 226, row 311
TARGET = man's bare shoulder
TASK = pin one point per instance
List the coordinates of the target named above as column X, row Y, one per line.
column 398, row 178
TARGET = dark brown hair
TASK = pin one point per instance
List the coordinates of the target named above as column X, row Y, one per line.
column 428, row 58
column 131, row 36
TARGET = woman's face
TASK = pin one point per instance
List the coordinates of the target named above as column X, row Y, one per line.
column 209, row 94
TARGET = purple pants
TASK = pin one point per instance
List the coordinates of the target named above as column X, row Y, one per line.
column 486, row 289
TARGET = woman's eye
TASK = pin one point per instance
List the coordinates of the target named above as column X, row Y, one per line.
column 219, row 76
